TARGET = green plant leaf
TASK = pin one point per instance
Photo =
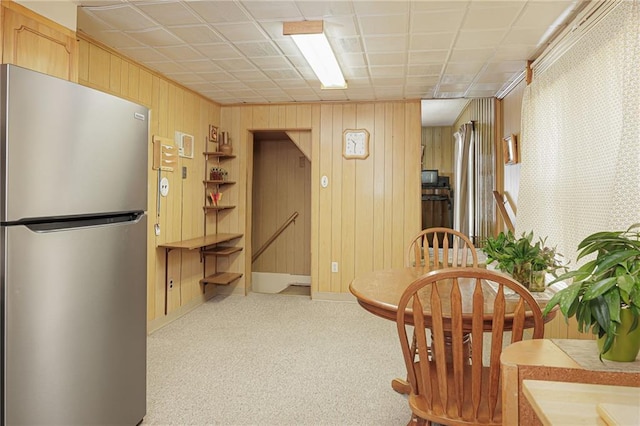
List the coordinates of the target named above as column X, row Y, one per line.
column 599, row 287
column 607, row 261
column 613, row 303
column 625, row 283
column 600, row 311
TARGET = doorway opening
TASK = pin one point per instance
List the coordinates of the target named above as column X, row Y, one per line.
column 281, row 213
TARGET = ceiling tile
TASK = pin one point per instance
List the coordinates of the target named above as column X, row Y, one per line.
column 386, row 59
column 428, row 57
column 218, row 51
column 196, row 34
column 431, row 41
column 241, row 32
column 180, row 53
column 479, row 39
column 382, row 25
column 123, row 17
column 491, row 15
column 392, row 43
column 155, row 37
column 273, row 10
column 430, row 22
column 233, row 65
column 258, row 49
column 216, row 12
column 385, row 7
column 169, row 13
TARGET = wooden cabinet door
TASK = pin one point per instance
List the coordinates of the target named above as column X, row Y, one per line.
column 32, row 41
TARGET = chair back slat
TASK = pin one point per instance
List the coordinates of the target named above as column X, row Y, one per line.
column 497, row 333
column 423, row 381
column 457, row 343
column 517, row 330
column 439, row 357
column 459, row 305
column 441, row 248
column 477, row 341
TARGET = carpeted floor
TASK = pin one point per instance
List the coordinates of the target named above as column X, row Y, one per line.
column 275, row 360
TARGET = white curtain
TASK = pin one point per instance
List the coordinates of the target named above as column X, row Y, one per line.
column 464, row 176
column 580, row 144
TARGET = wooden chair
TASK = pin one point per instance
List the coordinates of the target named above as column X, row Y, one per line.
column 450, row 385
column 441, row 248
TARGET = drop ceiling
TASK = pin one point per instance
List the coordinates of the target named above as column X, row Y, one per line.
column 234, row 51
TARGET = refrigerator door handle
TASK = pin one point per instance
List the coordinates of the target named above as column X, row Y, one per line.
column 67, row 223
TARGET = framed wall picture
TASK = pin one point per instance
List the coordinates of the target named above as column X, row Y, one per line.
column 213, row 133
column 510, row 149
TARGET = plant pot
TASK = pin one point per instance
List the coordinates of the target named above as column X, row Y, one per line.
column 626, row 345
column 538, row 281
column 522, row 273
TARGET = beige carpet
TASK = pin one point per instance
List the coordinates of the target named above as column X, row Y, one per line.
column 275, row 360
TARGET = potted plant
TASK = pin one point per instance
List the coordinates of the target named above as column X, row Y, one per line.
column 527, row 262
column 605, row 293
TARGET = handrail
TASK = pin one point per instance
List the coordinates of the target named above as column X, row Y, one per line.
column 275, row 235
column 500, row 201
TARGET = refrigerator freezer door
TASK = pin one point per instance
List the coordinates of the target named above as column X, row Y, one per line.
column 68, row 149
column 75, row 329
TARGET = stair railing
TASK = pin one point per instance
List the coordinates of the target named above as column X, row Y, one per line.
column 275, row 235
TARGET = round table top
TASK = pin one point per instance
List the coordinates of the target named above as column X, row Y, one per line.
column 379, row 292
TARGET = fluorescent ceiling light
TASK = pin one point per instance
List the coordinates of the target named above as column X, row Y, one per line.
column 313, row 44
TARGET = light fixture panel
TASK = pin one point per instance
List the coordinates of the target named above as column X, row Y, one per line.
column 314, row 46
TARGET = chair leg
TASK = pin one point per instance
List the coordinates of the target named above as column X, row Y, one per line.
column 417, row 421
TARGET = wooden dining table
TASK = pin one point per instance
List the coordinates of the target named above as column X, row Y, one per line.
column 379, row 292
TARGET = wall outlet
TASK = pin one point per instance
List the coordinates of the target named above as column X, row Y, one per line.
column 334, row 266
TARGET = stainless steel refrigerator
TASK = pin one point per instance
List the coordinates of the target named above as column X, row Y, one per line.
column 73, row 197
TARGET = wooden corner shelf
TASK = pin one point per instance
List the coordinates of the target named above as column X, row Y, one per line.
column 221, row 278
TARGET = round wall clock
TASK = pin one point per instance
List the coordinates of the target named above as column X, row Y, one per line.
column 355, row 143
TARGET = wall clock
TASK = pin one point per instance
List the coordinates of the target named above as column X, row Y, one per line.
column 355, row 143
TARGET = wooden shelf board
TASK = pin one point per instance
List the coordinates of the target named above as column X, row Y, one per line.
column 221, row 251
column 221, row 278
column 195, row 243
column 217, row 154
column 219, row 182
column 219, row 207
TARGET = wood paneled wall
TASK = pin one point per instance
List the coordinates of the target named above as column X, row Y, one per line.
column 35, row 42
column 180, row 215
column 366, row 216
column 281, row 187
column 438, row 151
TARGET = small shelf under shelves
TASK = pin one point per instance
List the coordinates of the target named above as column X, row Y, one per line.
column 221, row 251
column 199, row 242
column 221, row 278
column 218, row 182
column 218, row 208
column 218, row 154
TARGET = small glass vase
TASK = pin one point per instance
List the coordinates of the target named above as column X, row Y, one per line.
column 538, row 281
column 522, row 273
